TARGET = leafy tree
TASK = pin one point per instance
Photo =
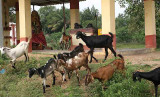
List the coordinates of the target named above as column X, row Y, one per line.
column 122, row 29
column 135, row 16
column 52, row 19
column 12, row 15
column 89, row 16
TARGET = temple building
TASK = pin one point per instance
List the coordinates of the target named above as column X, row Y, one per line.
column 27, row 21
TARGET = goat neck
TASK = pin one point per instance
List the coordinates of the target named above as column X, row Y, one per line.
column 145, row 75
column 83, row 37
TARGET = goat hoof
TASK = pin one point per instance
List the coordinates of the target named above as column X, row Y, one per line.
column 14, row 67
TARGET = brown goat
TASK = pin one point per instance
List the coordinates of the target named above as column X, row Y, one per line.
column 64, row 41
column 106, row 72
column 75, row 63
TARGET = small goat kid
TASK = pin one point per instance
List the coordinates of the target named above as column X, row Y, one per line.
column 18, row 51
column 102, row 41
column 104, row 73
column 153, row 76
column 64, row 41
column 47, row 70
column 75, row 63
column 76, row 51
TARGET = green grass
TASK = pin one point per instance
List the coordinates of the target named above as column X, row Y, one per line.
column 16, row 83
column 129, row 45
column 156, row 59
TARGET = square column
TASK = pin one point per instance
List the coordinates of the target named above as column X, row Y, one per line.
column 25, row 21
column 17, row 22
column 1, row 26
column 5, row 21
column 74, row 12
column 108, row 18
column 150, row 25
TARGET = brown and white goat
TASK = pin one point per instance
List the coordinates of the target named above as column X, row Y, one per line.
column 64, row 41
column 106, row 72
column 75, row 63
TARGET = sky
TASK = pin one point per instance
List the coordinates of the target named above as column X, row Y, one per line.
column 89, row 3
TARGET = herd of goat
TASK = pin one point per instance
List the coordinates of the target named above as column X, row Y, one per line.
column 66, row 63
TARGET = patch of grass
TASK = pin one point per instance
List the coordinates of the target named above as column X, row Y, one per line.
column 129, row 45
column 16, row 83
column 120, row 86
column 156, row 59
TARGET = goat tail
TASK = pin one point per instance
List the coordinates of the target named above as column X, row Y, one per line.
column 29, row 39
column 111, row 35
column 119, row 55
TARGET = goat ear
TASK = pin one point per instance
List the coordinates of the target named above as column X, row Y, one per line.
column 54, row 56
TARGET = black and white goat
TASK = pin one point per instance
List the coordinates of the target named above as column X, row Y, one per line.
column 102, row 41
column 153, row 76
column 76, row 51
column 18, row 51
column 46, row 70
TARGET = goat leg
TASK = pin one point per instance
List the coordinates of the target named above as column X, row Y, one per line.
column 156, row 89
column 25, row 57
column 78, row 77
column 91, row 54
column 44, row 85
column 54, row 78
column 69, row 74
column 95, row 59
column 113, row 51
column 106, row 50
column 92, row 49
column 13, row 64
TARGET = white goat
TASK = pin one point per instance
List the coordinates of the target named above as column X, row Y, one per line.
column 18, row 51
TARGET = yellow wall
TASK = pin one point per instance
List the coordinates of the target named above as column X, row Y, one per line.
column 108, row 16
column 150, row 27
column 25, row 18
column 74, row 16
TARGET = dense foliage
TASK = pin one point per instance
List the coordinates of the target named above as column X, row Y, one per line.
column 130, row 26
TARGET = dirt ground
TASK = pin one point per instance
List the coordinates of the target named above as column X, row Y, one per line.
column 152, row 59
column 142, row 59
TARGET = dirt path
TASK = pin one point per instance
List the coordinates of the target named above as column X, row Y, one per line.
column 152, row 59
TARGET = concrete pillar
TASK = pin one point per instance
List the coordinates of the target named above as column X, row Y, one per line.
column 150, row 25
column 108, row 18
column 1, row 26
column 5, row 20
column 74, row 12
column 17, row 22
column 25, row 21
